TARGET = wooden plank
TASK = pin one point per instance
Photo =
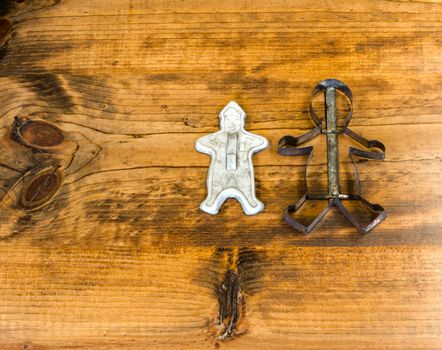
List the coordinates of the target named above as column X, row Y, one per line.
column 292, row 297
column 102, row 244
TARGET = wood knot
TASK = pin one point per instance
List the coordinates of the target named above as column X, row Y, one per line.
column 36, row 133
column 40, row 188
column 5, row 26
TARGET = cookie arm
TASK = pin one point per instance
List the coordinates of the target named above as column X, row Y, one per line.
column 202, row 145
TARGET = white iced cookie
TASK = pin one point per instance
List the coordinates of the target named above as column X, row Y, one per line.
column 230, row 172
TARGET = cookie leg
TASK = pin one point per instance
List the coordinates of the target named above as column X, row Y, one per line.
column 213, row 202
column 249, row 203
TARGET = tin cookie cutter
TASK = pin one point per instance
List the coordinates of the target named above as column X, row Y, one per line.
column 231, row 172
column 288, row 146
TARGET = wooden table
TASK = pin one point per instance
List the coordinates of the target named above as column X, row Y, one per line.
column 102, row 244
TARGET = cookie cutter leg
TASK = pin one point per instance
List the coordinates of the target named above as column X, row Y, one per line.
column 376, row 208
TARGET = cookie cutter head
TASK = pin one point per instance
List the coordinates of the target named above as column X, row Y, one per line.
column 231, row 173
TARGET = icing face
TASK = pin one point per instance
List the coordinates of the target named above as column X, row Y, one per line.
column 232, row 120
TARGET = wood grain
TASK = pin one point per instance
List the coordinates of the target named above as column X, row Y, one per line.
column 102, row 245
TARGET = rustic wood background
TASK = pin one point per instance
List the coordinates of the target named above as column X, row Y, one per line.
column 102, row 245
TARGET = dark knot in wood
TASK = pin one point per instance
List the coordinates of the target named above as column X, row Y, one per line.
column 40, row 188
column 5, row 26
column 36, row 133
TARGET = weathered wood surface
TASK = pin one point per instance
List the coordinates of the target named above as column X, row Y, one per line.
column 102, row 245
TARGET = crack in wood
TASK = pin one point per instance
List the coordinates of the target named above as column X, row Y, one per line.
column 242, row 272
column 228, row 297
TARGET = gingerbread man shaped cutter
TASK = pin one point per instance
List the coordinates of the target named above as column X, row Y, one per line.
column 288, row 146
column 230, row 172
